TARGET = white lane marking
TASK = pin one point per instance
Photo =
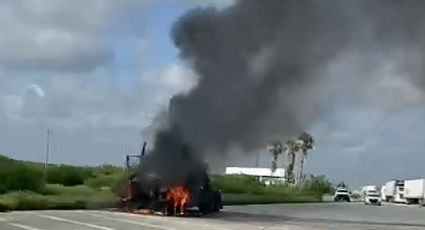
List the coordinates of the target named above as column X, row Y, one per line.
column 193, row 222
column 76, row 222
column 139, row 215
column 24, row 226
column 135, row 222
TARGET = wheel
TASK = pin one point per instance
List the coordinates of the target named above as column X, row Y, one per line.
column 216, row 206
column 421, row 202
column 169, row 211
column 204, row 208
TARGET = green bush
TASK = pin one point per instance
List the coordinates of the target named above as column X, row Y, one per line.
column 107, row 170
column 78, row 190
column 23, row 201
column 238, row 184
column 65, row 175
column 122, row 179
column 108, row 176
column 318, row 185
column 26, row 178
column 77, row 197
column 18, row 176
column 102, row 181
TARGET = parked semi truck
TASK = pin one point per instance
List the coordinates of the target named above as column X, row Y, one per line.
column 394, row 191
column 367, row 188
column 414, row 191
column 370, row 195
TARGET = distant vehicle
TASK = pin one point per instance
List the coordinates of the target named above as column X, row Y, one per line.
column 342, row 194
column 372, row 196
column 414, row 191
column 366, row 188
column 394, row 191
column 383, row 197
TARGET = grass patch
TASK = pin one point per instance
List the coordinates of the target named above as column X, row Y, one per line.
column 239, row 189
column 58, row 197
column 241, row 199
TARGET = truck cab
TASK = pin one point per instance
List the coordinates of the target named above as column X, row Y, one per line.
column 135, row 195
column 372, row 197
column 342, row 194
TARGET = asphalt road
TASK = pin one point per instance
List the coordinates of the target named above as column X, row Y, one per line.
column 273, row 217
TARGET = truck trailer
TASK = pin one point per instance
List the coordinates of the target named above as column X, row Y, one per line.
column 414, row 191
column 394, row 191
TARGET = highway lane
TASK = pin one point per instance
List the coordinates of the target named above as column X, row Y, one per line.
column 273, row 217
column 387, row 216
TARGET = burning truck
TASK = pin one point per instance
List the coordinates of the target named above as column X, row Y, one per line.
column 149, row 191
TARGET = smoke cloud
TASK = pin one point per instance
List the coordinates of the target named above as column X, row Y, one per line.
column 262, row 68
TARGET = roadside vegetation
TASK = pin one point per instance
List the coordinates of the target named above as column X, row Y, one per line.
column 248, row 190
column 24, row 186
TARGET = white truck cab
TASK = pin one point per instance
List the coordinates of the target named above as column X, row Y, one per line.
column 342, row 194
column 372, row 197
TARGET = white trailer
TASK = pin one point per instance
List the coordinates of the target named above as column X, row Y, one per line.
column 414, row 191
column 383, row 197
column 389, row 190
column 394, row 191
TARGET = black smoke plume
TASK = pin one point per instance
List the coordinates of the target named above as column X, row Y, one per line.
column 261, row 67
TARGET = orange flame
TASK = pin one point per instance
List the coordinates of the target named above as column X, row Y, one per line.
column 178, row 197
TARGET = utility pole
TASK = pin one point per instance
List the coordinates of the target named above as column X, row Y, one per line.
column 59, row 154
column 49, row 133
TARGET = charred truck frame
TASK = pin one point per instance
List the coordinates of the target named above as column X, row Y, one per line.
column 145, row 194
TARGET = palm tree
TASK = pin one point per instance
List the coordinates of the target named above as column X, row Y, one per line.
column 306, row 142
column 275, row 149
column 291, row 148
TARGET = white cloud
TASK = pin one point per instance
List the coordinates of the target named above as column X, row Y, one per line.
column 169, row 80
column 58, row 35
column 36, row 89
column 91, row 101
